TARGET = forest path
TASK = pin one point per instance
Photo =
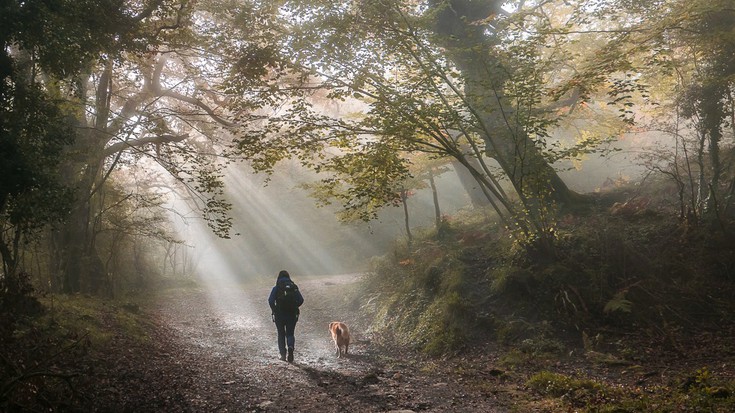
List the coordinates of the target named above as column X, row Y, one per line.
column 216, row 351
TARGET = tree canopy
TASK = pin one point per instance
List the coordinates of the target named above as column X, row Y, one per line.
column 510, row 92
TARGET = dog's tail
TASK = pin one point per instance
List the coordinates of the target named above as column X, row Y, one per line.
column 337, row 329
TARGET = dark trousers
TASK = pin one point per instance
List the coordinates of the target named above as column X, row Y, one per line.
column 285, row 325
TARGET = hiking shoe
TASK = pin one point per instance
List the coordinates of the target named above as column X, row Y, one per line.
column 283, row 357
column 290, row 355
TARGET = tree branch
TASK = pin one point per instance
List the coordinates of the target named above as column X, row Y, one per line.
column 146, row 12
column 198, row 103
column 156, row 140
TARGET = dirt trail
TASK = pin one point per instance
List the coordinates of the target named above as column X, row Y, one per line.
column 216, row 351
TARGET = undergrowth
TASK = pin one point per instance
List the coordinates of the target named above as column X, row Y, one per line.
column 699, row 391
column 644, row 272
column 428, row 298
column 97, row 319
column 617, row 293
column 41, row 353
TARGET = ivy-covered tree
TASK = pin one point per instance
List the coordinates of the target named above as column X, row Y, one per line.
column 33, row 132
column 42, row 42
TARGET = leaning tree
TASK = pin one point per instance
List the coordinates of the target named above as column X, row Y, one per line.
column 459, row 79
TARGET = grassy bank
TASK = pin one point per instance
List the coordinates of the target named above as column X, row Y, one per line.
column 622, row 296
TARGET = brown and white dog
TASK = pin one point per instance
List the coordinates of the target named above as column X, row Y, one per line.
column 340, row 336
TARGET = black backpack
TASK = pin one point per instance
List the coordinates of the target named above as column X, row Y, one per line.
column 287, row 297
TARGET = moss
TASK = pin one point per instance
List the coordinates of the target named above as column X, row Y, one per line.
column 445, row 325
column 514, row 358
column 698, row 392
column 97, row 319
column 577, row 390
column 511, row 281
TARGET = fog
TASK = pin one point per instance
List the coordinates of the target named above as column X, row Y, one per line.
column 278, row 226
column 624, row 162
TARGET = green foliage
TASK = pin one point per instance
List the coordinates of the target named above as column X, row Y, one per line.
column 510, row 280
column 700, row 392
column 363, row 181
column 47, row 48
column 618, row 303
column 444, row 326
column 33, row 132
column 578, row 391
column 708, row 392
column 397, row 78
column 131, row 237
column 66, row 36
column 607, row 270
column 668, row 61
column 400, row 306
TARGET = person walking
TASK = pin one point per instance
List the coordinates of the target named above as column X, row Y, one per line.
column 285, row 300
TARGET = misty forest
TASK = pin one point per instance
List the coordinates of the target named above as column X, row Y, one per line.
column 515, row 206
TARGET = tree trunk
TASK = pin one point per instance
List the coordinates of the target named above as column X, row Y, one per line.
column 77, row 260
column 713, row 116
column 470, row 184
column 435, row 197
column 75, row 239
column 461, row 32
column 404, row 199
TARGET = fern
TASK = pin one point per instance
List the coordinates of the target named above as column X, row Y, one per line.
column 619, row 303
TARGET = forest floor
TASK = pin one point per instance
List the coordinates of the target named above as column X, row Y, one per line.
column 213, row 349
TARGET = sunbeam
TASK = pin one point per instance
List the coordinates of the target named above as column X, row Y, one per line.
column 275, row 226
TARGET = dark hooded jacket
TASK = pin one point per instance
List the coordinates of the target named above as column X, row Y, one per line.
column 274, row 294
